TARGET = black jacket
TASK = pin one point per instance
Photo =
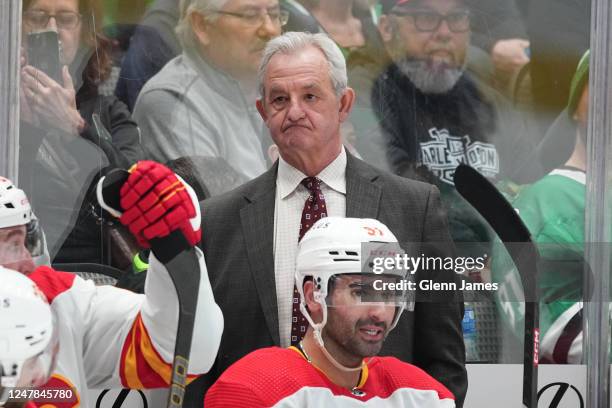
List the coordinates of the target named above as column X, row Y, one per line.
column 427, row 135
column 58, row 172
column 471, row 117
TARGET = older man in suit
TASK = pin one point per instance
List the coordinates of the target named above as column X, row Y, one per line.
column 251, row 234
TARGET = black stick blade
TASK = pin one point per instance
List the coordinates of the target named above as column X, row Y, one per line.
column 502, row 217
column 491, row 204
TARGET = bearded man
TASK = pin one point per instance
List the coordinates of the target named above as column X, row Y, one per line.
column 435, row 115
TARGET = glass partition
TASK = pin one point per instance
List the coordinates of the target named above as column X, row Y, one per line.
column 505, row 86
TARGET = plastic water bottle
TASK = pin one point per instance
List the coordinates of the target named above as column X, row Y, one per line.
column 469, row 333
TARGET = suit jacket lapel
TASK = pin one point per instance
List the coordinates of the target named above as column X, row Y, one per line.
column 257, row 220
column 362, row 194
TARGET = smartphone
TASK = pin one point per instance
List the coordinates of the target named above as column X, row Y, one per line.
column 44, row 53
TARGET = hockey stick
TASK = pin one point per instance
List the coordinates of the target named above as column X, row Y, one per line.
column 492, row 205
column 181, row 261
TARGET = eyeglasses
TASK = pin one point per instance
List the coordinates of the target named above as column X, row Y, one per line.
column 427, row 21
column 67, row 20
column 255, row 18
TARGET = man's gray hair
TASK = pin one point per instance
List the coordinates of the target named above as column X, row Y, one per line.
column 292, row 43
column 184, row 30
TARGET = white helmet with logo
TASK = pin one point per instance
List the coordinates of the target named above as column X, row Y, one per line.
column 15, row 208
column 336, row 246
column 28, row 333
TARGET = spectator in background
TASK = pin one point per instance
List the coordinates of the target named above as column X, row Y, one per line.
column 153, row 44
column 499, row 46
column 553, row 210
column 69, row 133
column 350, row 26
column 435, row 115
column 203, row 101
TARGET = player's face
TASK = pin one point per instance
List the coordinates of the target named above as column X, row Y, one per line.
column 301, row 108
column 13, row 252
column 355, row 329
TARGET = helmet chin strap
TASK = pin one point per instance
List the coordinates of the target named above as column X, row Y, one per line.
column 319, row 339
column 318, row 335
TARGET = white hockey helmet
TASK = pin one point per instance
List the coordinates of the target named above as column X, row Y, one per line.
column 335, row 246
column 15, row 208
column 28, row 333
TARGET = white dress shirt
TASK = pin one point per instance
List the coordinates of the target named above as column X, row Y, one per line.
column 289, row 203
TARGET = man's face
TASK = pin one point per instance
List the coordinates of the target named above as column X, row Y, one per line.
column 13, row 252
column 301, row 109
column 355, row 329
column 428, row 54
column 234, row 43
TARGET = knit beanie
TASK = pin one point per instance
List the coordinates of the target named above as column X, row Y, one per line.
column 560, row 139
column 579, row 81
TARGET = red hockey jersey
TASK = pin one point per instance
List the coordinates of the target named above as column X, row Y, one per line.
column 276, row 377
column 110, row 338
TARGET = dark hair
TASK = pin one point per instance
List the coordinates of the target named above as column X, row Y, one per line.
column 98, row 67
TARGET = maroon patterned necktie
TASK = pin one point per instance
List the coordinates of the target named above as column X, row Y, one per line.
column 314, row 210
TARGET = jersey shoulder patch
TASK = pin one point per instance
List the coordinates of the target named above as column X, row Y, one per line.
column 51, row 282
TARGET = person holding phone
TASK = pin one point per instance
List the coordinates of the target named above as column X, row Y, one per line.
column 70, row 134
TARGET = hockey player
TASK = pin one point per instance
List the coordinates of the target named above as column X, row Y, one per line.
column 108, row 337
column 349, row 319
column 25, row 314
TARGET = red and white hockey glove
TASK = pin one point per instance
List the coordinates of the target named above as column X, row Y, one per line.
column 157, row 202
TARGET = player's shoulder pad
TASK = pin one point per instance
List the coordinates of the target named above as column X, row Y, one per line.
column 52, row 283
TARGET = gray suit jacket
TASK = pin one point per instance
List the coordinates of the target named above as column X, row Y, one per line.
column 238, row 244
